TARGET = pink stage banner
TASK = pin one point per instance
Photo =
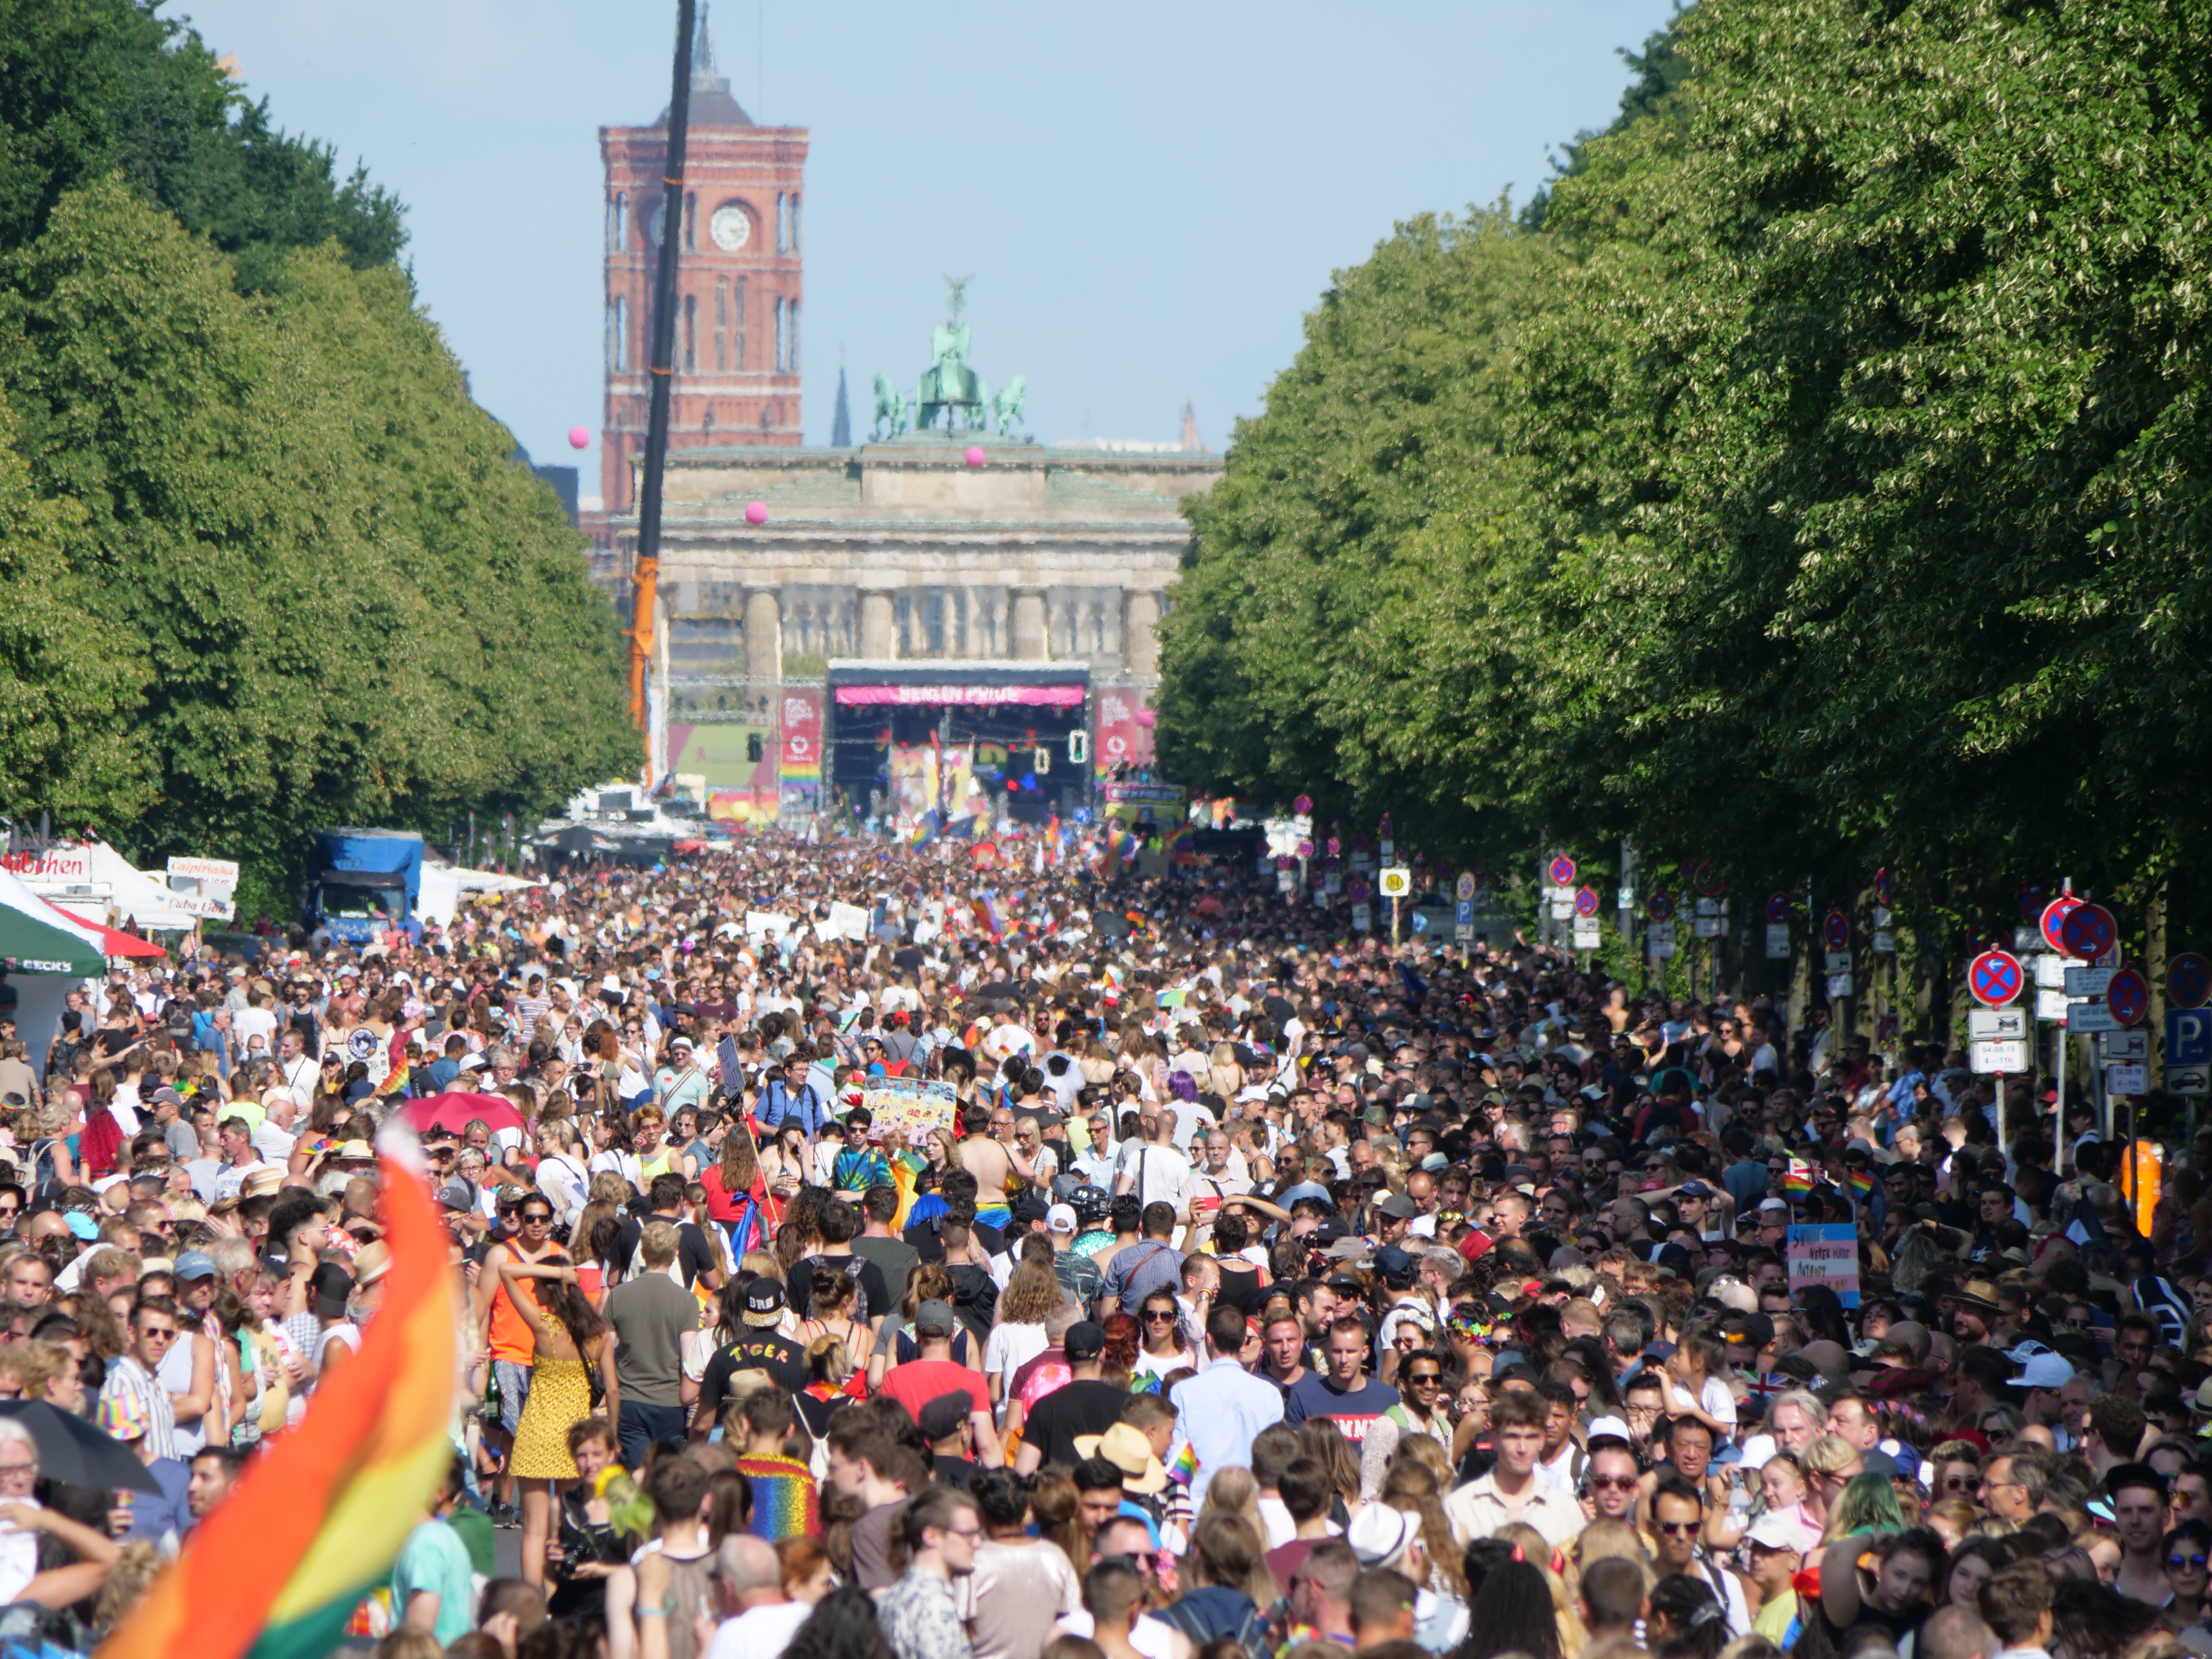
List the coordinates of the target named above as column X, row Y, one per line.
column 1044, row 696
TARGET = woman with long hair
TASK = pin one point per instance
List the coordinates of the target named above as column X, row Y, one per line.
column 1229, row 1580
column 1511, row 1613
column 1321, row 1439
column 1868, row 1504
column 843, row 1626
column 737, row 1197
column 571, row 1343
column 800, row 1236
column 831, row 1315
column 1017, row 1336
column 1686, row 1618
column 1234, row 1491
column 1412, row 1486
column 1057, row 1507
column 1160, row 1328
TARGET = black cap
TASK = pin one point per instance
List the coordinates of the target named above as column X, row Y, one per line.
column 1084, row 1341
column 763, row 1302
column 943, row 1415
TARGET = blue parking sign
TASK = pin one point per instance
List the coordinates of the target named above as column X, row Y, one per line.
column 2189, row 1036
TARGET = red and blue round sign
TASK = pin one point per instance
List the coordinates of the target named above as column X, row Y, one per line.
column 1302, row 805
column 1562, row 870
column 1356, row 890
column 2088, row 932
column 1586, row 902
column 2031, row 901
column 1882, row 885
column 1777, row 908
column 1659, row 907
column 1994, row 977
column 1710, row 882
column 2054, row 917
column 1835, row 930
column 1464, row 889
column 2189, row 980
column 2129, row 997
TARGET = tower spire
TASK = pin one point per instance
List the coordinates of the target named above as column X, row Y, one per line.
column 703, row 72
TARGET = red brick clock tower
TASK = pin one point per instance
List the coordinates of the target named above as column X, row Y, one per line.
column 737, row 333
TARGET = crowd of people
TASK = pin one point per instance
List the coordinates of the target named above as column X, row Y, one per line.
column 1143, row 1267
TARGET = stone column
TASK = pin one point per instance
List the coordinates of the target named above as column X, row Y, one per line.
column 879, row 628
column 1030, row 642
column 763, row 643
column 1140, row 646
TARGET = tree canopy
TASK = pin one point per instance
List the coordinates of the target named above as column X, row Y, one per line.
column 1836, row 502
column 269, row 568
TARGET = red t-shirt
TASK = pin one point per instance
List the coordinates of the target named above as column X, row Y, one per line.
column 918, row 1382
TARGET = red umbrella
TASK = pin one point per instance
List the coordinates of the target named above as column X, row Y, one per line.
column 456, row 1111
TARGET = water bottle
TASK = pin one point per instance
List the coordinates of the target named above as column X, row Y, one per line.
column 1738, row 1500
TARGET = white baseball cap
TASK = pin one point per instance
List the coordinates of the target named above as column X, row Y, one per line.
column 1060, row 1219
column 2046, row 1371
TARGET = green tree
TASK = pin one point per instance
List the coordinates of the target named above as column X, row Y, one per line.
column 1348, row 544
column 342, row 601
column 89, row 87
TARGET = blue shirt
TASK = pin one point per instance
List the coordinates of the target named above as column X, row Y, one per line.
column 1216, row 1414
column 153, row 1517
column 436, row 1560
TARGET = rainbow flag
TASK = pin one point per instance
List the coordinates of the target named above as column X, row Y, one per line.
column 925, row 828
column 1799, row 1181
column 315, row 1525
column 1184, row 1469
column 1861, row 1183
column 906, row 1171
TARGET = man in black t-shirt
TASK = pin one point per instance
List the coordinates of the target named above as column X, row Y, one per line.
column 1083, row 1406
column 759, row 1348
column 694, row 1255
column 841, row 1223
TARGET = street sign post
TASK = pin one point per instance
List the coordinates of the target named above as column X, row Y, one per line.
column 2188, row 1037
column 1659, row 907
column 2083, row 1018
column 1995, row 978
column 1995, row 1024
column 2189, row 980
column 1836, row 930
column 2090, row 932
column 2123, row 1045
column 2000, row 1057
column 1777, row 908
column 2054, row 913
column 2128, row 996
column 1562, row 870
column 1586, row 902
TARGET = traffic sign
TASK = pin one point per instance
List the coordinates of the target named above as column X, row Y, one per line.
column 2089, row 1017
column 2055, row 913
column 2051, row 1007
column 1659, row 907
column 2092, row 982
column 2129, row 997
column 1586, row 902
column 2189, row 980
column 1356, row 890
column 1777, row 908
column 1397, row 881
column 2188, row 1037
column 1463, row 915
column 1302, row 805
column 2030, row 901
column 1710, row 880
column 2132, row 1077
column 2123, row 1045
column 1586, row 934
column 1991, row 1025
column 1882, row 885
column 1835, row 930
column 1563, row 870
column 2088, row 932
column 1778, row 941
column 2189, row 1079
column 1995, row 978
column 2005, row 1054
column 1463, row 889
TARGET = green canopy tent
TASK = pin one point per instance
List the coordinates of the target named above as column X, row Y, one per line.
column 36, row 939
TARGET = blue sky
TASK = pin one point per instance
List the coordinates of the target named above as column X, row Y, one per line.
column 1150, row 197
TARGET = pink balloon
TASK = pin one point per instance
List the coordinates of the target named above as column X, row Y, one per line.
column 578, row 436
column 975, row 454
column 756, row 511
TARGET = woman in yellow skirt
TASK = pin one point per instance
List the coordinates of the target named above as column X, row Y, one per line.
column 571, row 1343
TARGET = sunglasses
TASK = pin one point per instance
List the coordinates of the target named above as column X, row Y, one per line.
column 1678, row 1526
column 1614, row 1482
column 2176, row 1561
column 1151, row 1318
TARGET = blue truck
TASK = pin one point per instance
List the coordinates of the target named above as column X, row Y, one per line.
column 363, row 880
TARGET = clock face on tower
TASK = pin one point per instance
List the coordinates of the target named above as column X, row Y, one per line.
column 732, row 227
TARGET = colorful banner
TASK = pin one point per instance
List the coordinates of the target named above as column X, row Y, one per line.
column 1826, row 1254
column 971, row 696
column 913, row 1106
column 739, row 789
column 1124, row 736
column 802, row 734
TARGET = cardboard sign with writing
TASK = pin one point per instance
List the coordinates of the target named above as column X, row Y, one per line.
column 1826, row 1254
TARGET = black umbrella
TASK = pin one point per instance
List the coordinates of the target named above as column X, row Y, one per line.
column 78, row 1453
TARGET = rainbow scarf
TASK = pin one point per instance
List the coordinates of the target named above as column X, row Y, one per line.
column 1799, row 1182
column 315, row 1525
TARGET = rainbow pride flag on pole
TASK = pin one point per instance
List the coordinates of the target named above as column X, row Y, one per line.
column 275, row 1572
column 1799, row 1181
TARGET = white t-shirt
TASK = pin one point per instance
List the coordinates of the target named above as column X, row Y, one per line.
column 1714, row 1400
column 760, row 1632
column 1009, row 1349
